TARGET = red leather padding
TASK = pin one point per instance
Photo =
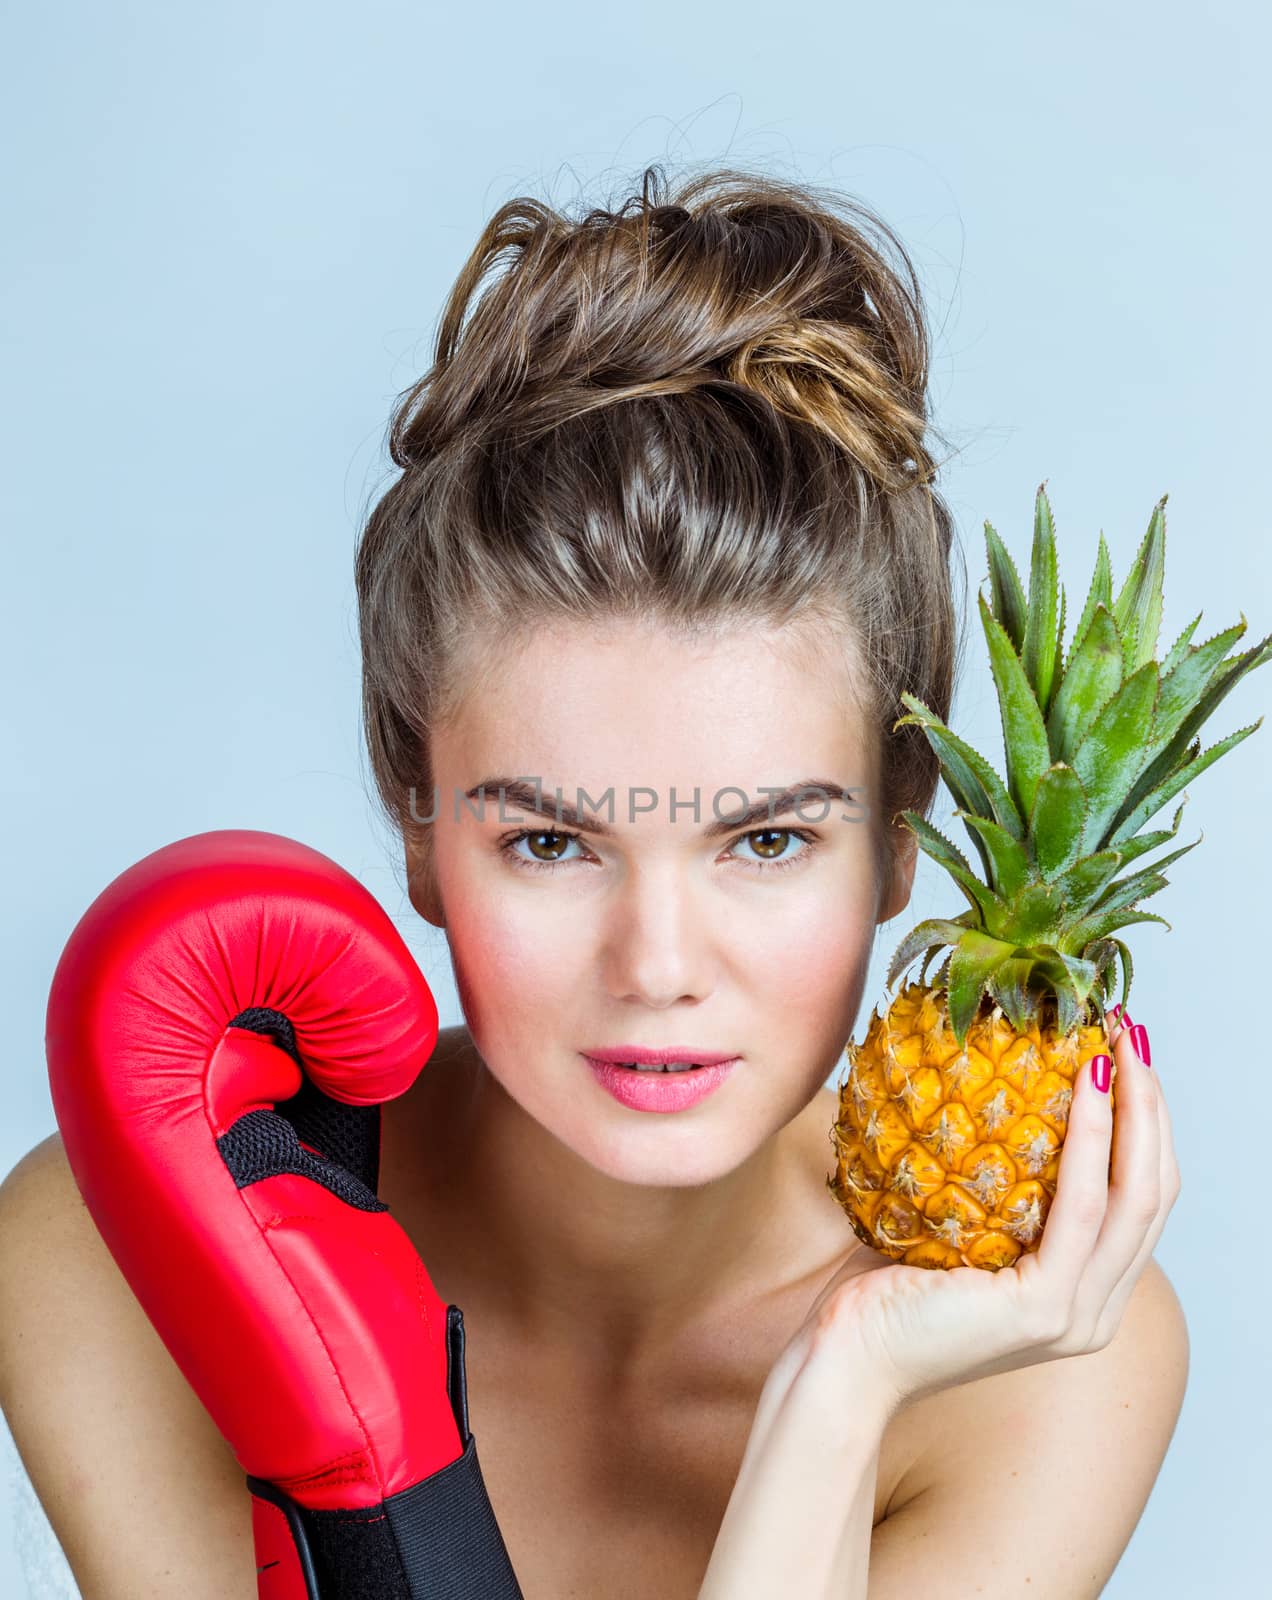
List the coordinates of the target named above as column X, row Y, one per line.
column 279, row 1573
column 309, row 1328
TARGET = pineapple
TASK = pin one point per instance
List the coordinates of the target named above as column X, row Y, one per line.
column 952, row 1117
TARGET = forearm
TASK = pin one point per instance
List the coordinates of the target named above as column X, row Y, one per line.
column 800, row 1516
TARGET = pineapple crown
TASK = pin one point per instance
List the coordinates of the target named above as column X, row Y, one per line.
column 1095, row 744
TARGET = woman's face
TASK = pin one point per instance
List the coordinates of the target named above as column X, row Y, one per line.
column 643, row 923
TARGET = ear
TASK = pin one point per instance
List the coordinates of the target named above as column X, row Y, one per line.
column 903, row 855
column 421, row 875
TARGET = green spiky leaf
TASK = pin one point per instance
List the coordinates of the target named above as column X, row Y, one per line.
column 1152, row 803
column 1091, row 679
column 1038, row 654
column 1163, row 762
column 1115, row 894
column 1071, row 980
column 1025, row 746
column 970, row 779
column 1098, row 926
column 1131, row 848
column 973, row 962
column 1058, row 819
column 932, row 842
column 1111, row 754
column 1180, row 647
column 1138, row 607
column 1081, row 884
column 1012, row 988
column 1099, row 594
column 1059, row 654
column 1096, row 740
column 1006, row 594
column 934, row 933
column 1010, row 866
column 1130, row 891
column 1127, row 970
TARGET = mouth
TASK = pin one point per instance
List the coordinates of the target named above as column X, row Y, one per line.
column 670, row 1084
column 670, row 1057
column 654, row 1066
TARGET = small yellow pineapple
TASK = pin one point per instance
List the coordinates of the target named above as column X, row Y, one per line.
column 952, row 1117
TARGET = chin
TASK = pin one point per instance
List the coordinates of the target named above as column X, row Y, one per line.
column 662, row 1152
column 661, row 1169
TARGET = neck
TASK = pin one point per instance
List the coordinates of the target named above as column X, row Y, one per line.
column 567, row 1253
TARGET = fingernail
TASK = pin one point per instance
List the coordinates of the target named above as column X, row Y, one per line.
column 1123, row 1018
column 1139, row 1038
column 1101, row 1072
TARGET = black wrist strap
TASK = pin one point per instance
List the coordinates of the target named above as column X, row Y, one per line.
column 437, row 1540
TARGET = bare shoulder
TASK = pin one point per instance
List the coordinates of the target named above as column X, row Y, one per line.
column 142, row 1491
column 1004, row 1468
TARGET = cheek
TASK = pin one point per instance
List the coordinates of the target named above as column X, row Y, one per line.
column 807, row 993
column 511, row 967
column 818, row 979
column 812, row 954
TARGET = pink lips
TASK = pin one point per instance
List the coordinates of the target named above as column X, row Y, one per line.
column 668, row 1052
column 659, row 1091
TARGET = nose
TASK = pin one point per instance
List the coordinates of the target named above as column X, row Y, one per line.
column 657, row 946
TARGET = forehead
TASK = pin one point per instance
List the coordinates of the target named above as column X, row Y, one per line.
column 638, row 702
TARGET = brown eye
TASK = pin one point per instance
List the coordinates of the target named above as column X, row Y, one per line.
column 551, row 852
column 547, row 849
column 771, row 848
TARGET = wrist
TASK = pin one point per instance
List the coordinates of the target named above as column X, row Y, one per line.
column 804, row 1497
column 839, row 1406
column 833, row 1386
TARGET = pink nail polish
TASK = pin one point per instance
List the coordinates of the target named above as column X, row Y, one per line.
column 1101, row 1072
column 1123, row 1017
column 1139, row 1039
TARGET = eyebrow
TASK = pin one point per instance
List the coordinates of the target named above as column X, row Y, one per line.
column 809, row 792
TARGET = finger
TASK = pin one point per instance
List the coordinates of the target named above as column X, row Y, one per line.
column 1169, row 1187
column 1082, row 1188
column 1135, row 1187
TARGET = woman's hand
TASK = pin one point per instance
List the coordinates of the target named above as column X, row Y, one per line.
column 875, row 1339
column 913, row 1330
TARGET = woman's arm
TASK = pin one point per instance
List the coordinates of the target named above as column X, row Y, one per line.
column 800, row 1515
column 1027, row 1453
column 142, row 1492
column 1031, row 1481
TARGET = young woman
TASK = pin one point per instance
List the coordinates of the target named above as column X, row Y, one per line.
column 636, row 618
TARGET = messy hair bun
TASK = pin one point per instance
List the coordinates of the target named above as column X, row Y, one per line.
column 706, row 405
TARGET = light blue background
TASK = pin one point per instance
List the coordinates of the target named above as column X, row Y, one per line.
column 229, row 231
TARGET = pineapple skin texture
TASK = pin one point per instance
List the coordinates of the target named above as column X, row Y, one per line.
column 946, row 1157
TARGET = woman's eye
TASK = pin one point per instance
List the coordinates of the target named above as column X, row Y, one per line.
column 551, row 841
column 548, row 846
column 771, row 850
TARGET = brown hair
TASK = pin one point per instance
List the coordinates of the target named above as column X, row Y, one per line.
column 707, row 406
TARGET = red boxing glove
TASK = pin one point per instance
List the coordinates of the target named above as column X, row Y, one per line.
column 223, row 1025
